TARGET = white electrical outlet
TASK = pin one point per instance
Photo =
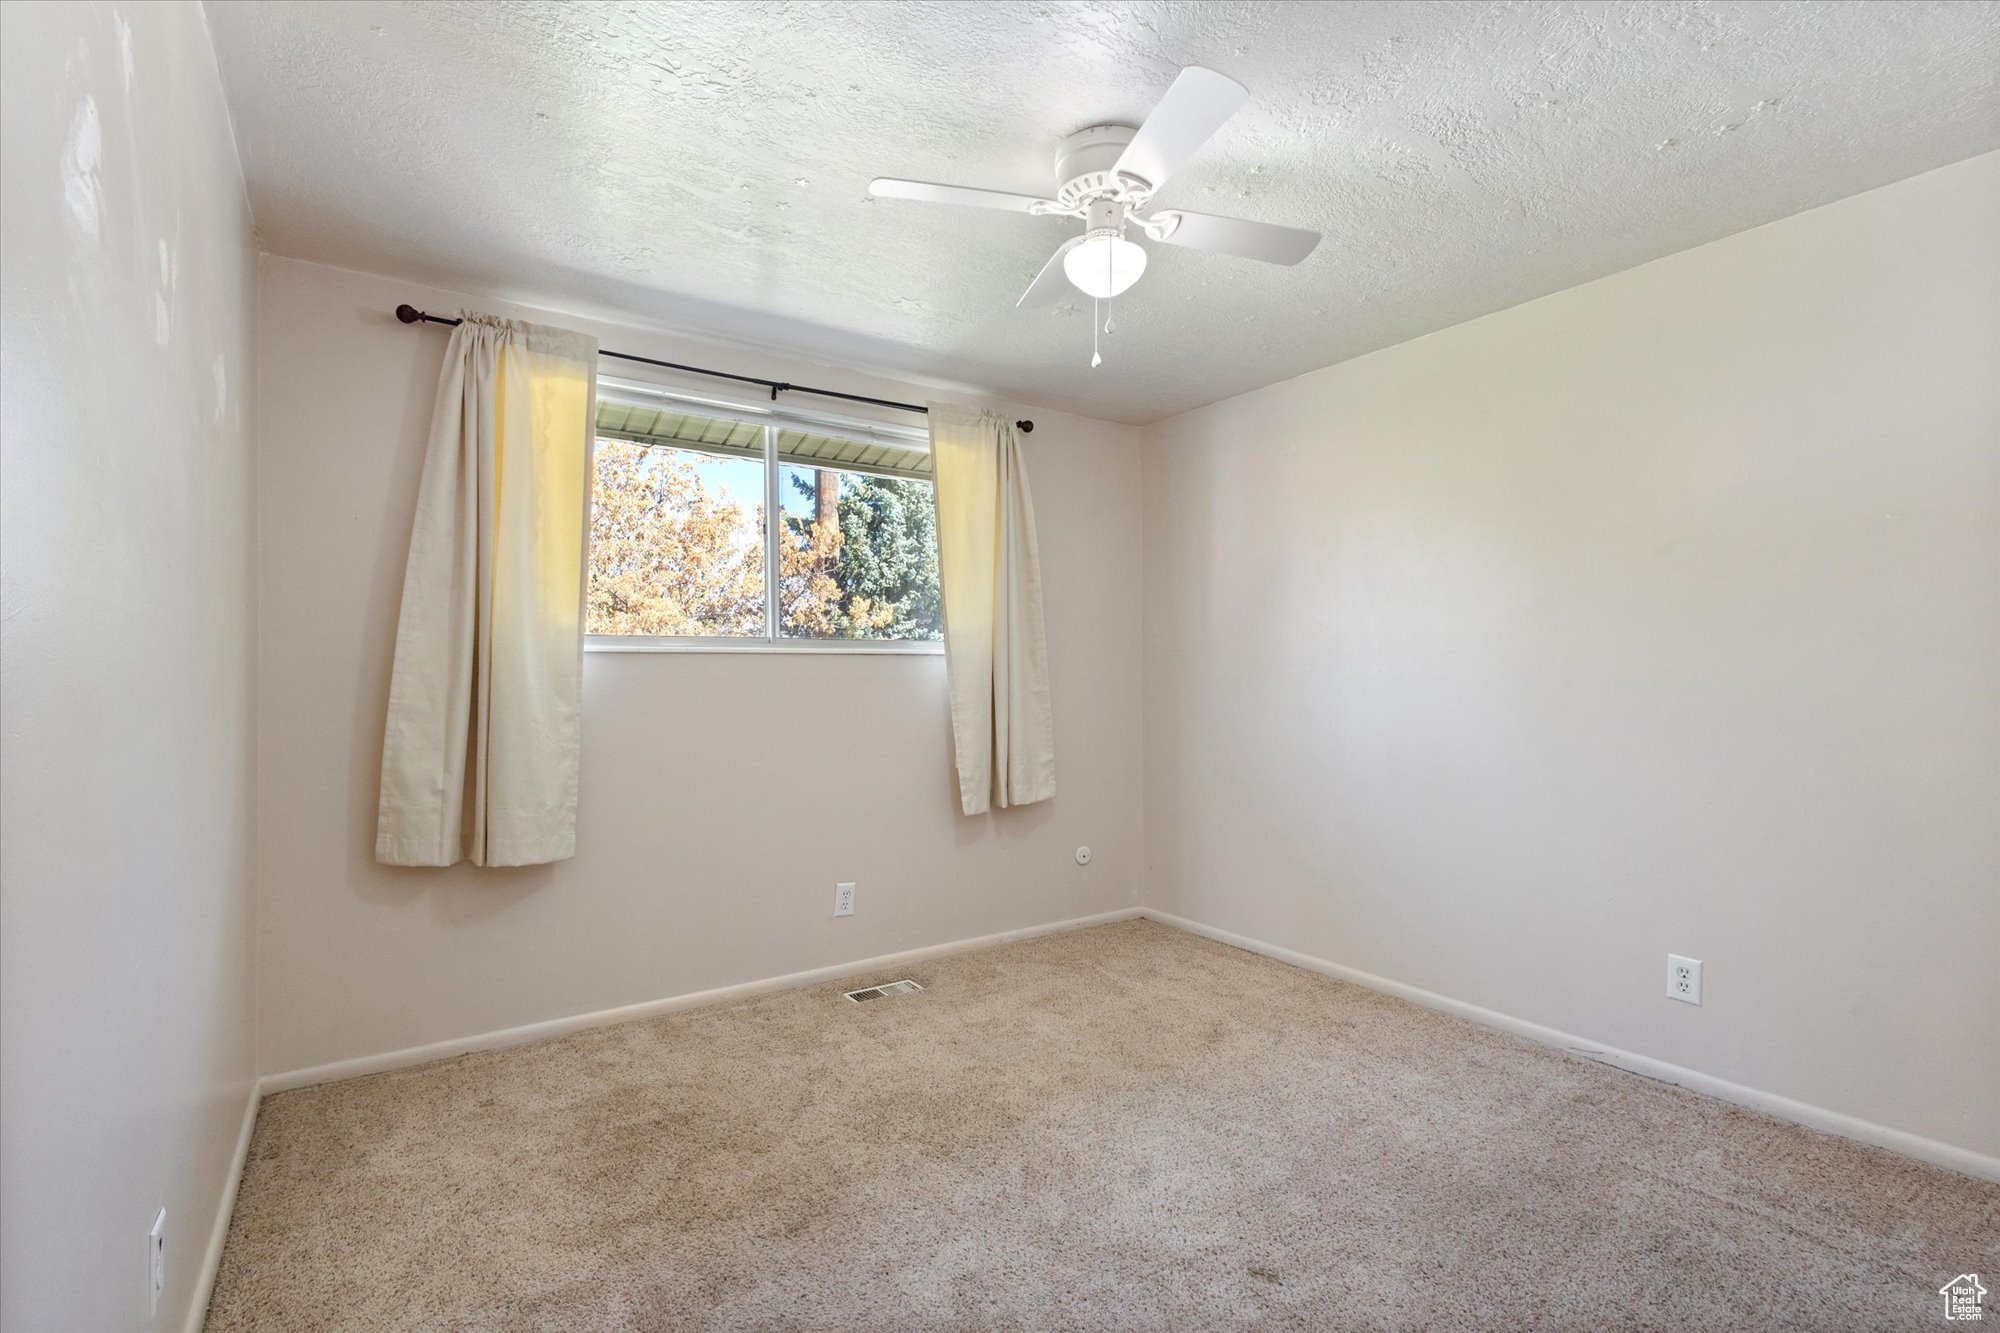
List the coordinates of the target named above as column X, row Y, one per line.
column 156, row 1263
column 1683, row 979
column 843, row 900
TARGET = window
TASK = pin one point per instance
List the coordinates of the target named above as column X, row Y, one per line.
column 711, row 526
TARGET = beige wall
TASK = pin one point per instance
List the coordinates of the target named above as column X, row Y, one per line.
column 125, row 659
column 722, row 796
column 1659, row 615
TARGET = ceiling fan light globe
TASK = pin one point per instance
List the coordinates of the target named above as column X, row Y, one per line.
column 1104, row 264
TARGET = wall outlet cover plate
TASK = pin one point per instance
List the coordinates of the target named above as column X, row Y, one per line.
column 1683, row 979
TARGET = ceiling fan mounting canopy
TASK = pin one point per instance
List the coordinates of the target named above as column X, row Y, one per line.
column 1106, row 174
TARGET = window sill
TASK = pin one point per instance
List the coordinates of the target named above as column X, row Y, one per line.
column 634, row 643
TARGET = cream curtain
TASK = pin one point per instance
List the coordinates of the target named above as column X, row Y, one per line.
column 1003, row 731
column 479, row 756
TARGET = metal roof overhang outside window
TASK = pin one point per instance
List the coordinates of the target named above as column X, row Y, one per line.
column 646, row 415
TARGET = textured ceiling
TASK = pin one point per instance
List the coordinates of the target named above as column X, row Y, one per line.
column 705, row 166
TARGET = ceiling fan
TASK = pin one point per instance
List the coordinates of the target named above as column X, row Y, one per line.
column 1108, row 175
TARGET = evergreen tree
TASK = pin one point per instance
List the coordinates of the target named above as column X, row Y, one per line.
column 884, row 558
column 890, row 556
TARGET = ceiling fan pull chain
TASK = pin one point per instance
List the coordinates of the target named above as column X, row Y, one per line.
column 1095, row 359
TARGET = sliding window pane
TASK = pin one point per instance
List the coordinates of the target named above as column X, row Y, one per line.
column 857, row 554
column 676, row 531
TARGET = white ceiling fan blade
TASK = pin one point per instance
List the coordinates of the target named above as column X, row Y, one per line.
column 1194, row 108
column 1235, row 236
column 1051, row 282
column 886, row 188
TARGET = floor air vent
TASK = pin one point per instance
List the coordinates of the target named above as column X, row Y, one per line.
column 884, row 991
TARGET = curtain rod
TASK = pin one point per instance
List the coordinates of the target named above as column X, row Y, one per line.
column 409, row 314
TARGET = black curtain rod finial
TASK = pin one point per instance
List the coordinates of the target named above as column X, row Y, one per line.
column 409, row 314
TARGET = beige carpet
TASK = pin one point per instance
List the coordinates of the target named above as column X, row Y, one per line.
column 1122, row 1128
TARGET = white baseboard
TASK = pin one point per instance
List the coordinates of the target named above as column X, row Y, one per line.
column 1771, row 1104
column 487, row 1041
column 211, row 1259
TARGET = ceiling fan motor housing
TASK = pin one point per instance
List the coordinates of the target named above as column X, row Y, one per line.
column 1084, row 163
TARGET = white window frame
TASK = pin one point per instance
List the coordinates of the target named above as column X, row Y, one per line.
column 772, row 419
